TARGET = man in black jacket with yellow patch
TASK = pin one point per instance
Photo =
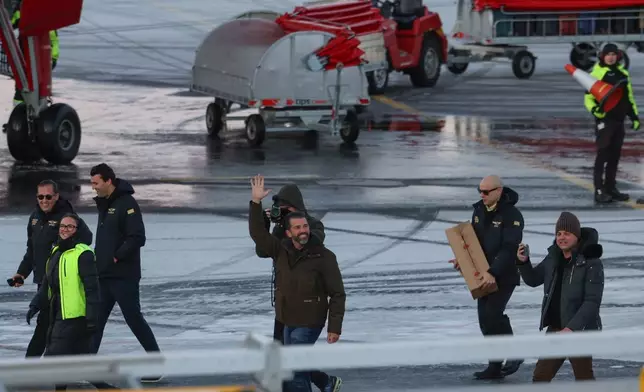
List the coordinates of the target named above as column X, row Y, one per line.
column 609, row 127
column 42, row 233
column 119, row 237
column 499, row 228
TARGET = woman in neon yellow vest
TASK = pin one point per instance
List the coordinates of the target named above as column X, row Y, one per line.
column 69, row 290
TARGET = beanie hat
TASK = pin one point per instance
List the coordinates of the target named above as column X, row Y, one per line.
column 609, row 48
column 568, row 222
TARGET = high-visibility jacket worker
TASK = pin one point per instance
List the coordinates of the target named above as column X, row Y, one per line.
column 55, row 48
column 69, row 290
column 609, row 127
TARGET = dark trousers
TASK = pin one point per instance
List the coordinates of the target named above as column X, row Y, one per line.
column 608, row 141
column 71, row 337
column 68, row 337
column 491, row 312
column 318, row 378
column 36, row 347
column 298, row 335
column 546, row 369
column 125, row 293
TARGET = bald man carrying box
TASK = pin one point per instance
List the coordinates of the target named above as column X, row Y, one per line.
column 498, row 225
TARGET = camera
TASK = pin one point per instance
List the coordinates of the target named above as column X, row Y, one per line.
column 277, row 212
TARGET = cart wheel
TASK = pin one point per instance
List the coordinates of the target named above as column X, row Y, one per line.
column 583, row 56
column 624, row 59
column 59, row 134
column 351, row 127
column 255, row 130
column 378, row 81
column 428, row 70
column 456, row 68
column 215, row 118
column 523, row 64
column 21, row 147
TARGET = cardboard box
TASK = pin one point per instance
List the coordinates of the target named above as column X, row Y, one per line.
column 470, row 257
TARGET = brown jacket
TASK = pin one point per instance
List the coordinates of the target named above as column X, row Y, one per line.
column 309, row 283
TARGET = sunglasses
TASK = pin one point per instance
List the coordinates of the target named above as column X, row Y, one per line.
column 48, row 197
column 487, row 191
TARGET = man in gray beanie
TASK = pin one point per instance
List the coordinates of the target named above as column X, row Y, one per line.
column 572, row 276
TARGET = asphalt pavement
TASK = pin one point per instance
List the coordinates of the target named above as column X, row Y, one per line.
column 126, row 69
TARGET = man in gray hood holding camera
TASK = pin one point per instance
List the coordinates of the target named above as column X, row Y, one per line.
column 289, row 199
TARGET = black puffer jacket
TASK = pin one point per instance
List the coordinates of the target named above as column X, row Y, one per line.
column 120, row 234
column 582, row 285
column 42, row 233
column 500, row 232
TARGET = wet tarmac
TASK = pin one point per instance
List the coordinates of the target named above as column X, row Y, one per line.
column 386, row 200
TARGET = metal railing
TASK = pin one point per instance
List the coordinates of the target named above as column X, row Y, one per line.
column 270, row 363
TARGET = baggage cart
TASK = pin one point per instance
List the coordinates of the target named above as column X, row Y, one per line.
column 492, row 34
column 280, row 77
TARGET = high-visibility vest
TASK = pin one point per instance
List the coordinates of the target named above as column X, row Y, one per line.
column 72, row 290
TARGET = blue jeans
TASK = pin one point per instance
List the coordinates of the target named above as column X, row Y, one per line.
column 295, row 335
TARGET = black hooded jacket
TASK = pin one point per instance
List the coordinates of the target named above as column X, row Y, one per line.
column 86, row 270
column 42, row 233
column 120, row 234
column 290, row 195
column 500, row 232
column 582, row 283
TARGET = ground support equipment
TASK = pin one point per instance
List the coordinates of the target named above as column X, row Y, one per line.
column 37, row 127
column 300, row 81
column 396, row 36
column 486, row 34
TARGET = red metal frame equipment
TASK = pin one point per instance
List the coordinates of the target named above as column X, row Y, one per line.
column 412, row 36
column 37, row 127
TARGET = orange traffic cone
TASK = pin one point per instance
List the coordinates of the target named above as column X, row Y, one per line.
column 606, row 94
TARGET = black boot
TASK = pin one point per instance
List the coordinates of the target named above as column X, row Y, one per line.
column 618, row 196
column 492, row 372
column 511, row 367
column 602, row 197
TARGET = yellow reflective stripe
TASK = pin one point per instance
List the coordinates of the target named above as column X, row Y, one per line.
column 631, row 96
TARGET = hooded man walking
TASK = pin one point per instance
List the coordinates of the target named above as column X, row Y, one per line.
column 609, row 127
column 572, row 276
column 42, row 234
